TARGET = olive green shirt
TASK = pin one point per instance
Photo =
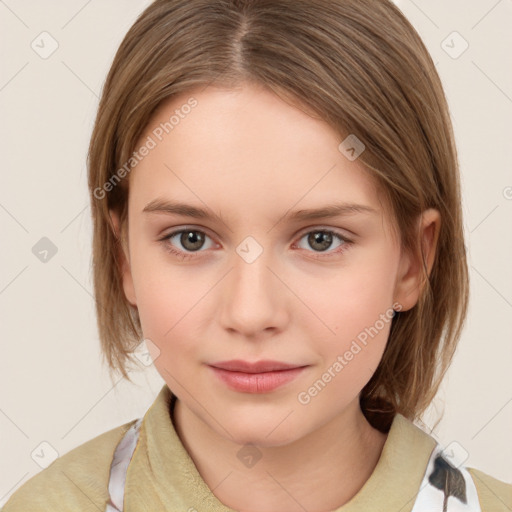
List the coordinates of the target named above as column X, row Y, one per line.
column 162, row 476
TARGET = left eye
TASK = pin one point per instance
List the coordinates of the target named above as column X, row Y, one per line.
column 322, row 240
column 193, row 240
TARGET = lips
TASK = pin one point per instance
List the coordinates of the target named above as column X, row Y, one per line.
column 258, row 377
column 237, row 365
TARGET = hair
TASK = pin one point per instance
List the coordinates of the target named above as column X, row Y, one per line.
column 360, row 66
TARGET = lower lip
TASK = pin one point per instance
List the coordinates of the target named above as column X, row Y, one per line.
column 257, row 382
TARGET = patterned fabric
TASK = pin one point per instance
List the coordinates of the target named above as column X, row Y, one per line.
column 444, row 488
column 119, row 467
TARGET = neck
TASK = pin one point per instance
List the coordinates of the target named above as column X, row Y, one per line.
column 319, row 472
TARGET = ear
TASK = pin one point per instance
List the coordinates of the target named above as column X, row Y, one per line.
column 123, row 258
column 410, row 277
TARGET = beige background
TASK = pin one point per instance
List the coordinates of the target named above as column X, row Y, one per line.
column 53, row 388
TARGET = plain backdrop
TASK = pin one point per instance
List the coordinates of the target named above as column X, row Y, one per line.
column 54, row 392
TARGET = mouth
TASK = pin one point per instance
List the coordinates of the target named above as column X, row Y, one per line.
column 257, row 377
column 237, row 365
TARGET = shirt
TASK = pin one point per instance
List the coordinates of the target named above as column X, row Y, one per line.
column 154, row 472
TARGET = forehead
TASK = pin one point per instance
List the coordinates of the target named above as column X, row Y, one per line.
column 247, row 150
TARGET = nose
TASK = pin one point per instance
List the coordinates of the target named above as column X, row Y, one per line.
column 254, row 298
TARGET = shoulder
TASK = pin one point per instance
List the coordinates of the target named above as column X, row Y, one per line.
column 494, row 495
column 448, row 483
column 77, row 480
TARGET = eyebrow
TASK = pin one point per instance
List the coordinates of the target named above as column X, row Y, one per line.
column 335, row 210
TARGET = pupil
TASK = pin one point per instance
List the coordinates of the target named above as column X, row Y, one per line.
column 322, row 238
column 191, row 237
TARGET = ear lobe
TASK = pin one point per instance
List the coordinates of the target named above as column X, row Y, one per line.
column 411, row 277
column 123, row 259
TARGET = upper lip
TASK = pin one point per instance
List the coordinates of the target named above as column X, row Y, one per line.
column 237, row 365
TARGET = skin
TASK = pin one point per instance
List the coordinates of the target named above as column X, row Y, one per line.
column 248, row 156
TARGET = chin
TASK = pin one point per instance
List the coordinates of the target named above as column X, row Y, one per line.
column 262, row 440
column 263, row 432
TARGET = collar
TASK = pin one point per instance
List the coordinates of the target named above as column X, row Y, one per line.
column 162, row 475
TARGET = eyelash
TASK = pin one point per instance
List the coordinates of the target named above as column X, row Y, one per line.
column 188, row 255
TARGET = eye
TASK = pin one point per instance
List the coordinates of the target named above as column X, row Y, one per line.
column 192, row 240
column 322, row 239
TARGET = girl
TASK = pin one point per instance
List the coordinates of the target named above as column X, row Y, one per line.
column 276, row 208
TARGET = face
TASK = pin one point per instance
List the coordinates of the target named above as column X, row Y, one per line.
column 253, row 279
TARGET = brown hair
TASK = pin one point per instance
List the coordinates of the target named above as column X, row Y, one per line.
column 360, row 66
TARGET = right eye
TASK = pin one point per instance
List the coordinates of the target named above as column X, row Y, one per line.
column 191, row 240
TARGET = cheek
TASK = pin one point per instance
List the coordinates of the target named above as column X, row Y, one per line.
column 353, row 297
column 349, row 359
column 167, row 319
column 356, row 306
column 171, row 310
column 167, row 309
